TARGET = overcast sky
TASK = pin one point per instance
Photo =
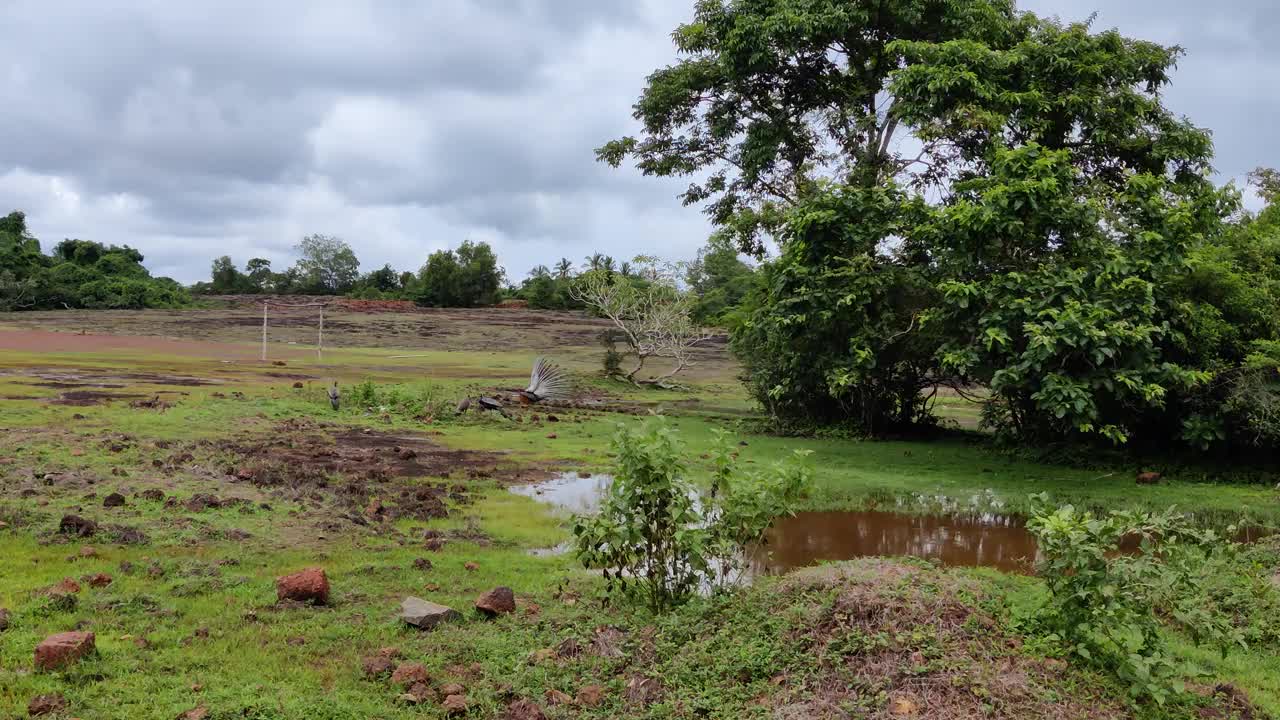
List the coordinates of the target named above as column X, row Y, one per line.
column 196, row 129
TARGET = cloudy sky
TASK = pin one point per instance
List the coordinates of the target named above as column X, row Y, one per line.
column 195, row 129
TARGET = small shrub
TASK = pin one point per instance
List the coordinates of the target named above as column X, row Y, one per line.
column 656, row 540
column 612, row 361
column 420, row 400
column 1106, row 605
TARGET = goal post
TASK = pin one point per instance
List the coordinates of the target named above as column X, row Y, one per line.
column 267, row 304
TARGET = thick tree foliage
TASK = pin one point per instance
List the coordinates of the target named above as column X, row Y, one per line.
column 327, row 265
column 466, row 277
column 834, row 331
column 719, row 280
column 79, row 274
column 967, row 195
column 770, row 95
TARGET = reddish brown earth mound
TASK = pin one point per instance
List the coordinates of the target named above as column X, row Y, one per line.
column 63, row 649
column 308, row 585
column 498, row 601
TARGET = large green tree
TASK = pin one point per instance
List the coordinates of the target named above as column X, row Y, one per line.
column 78, row 274
column 833, row 333
column 327, row 265
column 1074, row 199
column 769, row 96
column 962, row 194
column 479, row 276
column 466, row 277
column 719, row 279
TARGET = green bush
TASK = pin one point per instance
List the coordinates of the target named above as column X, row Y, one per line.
column 656, row 540
column 833, row 332
column 611, row 363
column 78, row 274
column 1108, row 600
column 417, row 401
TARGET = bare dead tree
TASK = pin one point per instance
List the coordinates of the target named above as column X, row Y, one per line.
column 653, row 317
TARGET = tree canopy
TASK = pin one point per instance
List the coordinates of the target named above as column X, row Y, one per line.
column 466, row 277
column 970, row 196
column 327, row 265
column 78, row 274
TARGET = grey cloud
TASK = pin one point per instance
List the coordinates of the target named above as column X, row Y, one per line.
column 194, row 129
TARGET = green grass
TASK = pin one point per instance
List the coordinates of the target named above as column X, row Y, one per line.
column 718, row 657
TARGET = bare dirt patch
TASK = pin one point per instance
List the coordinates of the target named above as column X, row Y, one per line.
column 370, row 475
column 85, row 398
column 69, row 378
column 301, row 451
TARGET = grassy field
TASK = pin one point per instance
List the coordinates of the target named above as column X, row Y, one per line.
column 241, row 473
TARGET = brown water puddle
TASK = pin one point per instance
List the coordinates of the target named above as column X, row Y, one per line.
column 976, row 538
column 985, row 540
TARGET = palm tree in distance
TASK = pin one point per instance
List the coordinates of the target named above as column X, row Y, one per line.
column 564, row 268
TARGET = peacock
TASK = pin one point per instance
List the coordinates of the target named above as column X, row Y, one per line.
column 334, row 399
column 546, row 382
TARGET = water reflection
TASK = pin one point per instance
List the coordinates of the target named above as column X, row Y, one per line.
column 569, row 491
column 978, row 540
column 970, row 532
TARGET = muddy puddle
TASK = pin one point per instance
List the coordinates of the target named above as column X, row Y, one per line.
column 983, row 540
column 962, row 537
column 959, row 540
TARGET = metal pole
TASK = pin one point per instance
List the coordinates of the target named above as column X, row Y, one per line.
column 264, row 332
column 320, row 339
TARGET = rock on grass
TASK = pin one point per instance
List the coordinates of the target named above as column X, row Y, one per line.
column 523, row 710
column 426, row 615
column 76, row 525
column 455, row 705
column 100, row 580
column 63, row 649
column 377, row 666
column 46, row 705
column 498, row 601
column 310, row 585
column 642, row 691
column 408, row 674
column 590, row 696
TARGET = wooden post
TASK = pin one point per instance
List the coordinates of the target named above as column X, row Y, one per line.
column 320, row 339
column 264, row 332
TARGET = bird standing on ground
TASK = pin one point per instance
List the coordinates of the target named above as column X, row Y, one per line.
column 488, row 403
column 334, row 398
column 463, row 406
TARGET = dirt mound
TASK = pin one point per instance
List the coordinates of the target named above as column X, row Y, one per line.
column 905, row 640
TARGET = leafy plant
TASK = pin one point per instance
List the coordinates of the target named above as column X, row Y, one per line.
column 1108, row 598
column 418, row 401
column 612, row 361
column 656, row 540
column 833, row 334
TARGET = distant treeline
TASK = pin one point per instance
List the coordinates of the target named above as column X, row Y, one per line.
column 78, row 274
column 470, row 276
column 84, row 274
